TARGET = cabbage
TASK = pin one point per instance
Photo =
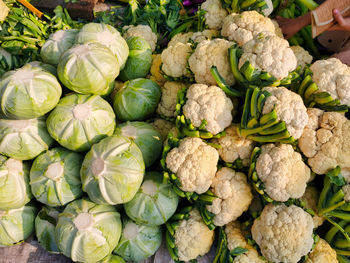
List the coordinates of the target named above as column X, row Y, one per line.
column 57, row 44
column 112, row 171
column 45, row 223
column 146, row 137
column 16, row 224
column 112, row 259
column 136, row 100
column 107, row 36
column 42, row 66
column 79, row 121
column 55, row 178
column 24, row 139
column 28, row 92
column 88, row 232
column 154, row 203
column 138, row 242
column 88, row 68
column 139, row 61
column 14, row 183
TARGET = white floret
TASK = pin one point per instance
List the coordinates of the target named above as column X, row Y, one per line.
column 174, row 59
column 310, row 198
column 282, row 171
column 284, row 234
column 303, row 57
column 322, row 253
column 332, row 76
column 210, row 104
column 289, row 107
column 194, row 163
column 196, row 37
column 215, row 13
column 142, row 31
column 269, row 53
column 210, row 53
column 167, row 104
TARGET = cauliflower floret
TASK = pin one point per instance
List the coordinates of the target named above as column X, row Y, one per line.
column 163, row 127
column 242, row 27
column 174, row 59
column 167, row 104
column 156, row 73
column 210, row 53
column 194, row 163
column 269, row 53
column 192, row 237
column 326, row 141
column 183, row 38
column 234, row 147
column 282, row 171
column 215, row 13
column 233, row 196
column 322, row 253
column 289, row 107
column 196, row 37
column 284, row 234
column 303, row 57
column 142, row 31
column 310, row 198
column 210, row 104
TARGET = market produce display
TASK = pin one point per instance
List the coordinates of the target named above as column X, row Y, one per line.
column 189, row 123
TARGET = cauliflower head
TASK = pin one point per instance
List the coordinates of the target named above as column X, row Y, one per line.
column 244, row 26
column 269, row 53
column 156, row 72
column 310, row 198
column 282, row 171
column 193, row 238
column 210, row 104
column 215, row 13
column 163, row 127
column 322, row 253
column 142, row 31
column 210, row 53
column 194, row 163
column 284, row 234
column 175, row 59
column 233, row 196
column 167, row 104
column 326, row 140
column 303, row 56
column 196, row 37
column 289, row 107
column 234, row 147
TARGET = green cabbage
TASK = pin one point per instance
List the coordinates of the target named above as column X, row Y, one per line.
column 55, row 177
column 57, row 44
column 79, row 121
column 88, row 232
column 112, row 171
column 107, row 36
column 24, row 139
column 16, row 224
column 139, row 61
column 28, row 92
column 136, row 100
column 146, row 137
column 14, row 183
column 154, row 203
column 138, row 242
column 45, row 223
column 43, row 66
column 112, row 259
column 88, row 68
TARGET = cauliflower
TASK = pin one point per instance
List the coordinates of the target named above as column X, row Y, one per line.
column 269, row 53
column 194, row 163
column 163, row 127
column 215, row 13
column 210, row 53
column 142, row 31
column 167, row 104
column 289, row 107
column 243, row 27
column 210, row 104
column 234, row 147
column 332, row 76
column 322, row 253
column 282, row 171
column 326, row 141
column 156, row 73
column 310, row 198
column 183, row 38
column 284, row 234
column 174, row 59
column 303, row 57
column 196, row 37
column 192, row 237
column 233, row 196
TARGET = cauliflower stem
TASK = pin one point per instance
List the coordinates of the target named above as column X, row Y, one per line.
column 337, row 238
column 238, row 6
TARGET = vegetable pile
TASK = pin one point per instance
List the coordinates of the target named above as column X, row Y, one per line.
column 195, row 124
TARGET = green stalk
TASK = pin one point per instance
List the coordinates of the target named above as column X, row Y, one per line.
column 247, row 3
column 254, row 112
column 307, row 81
column 338, row 108
column 310, row 4
column 270, row 138
column 333, row 231
column 342, row 259
column 269, row 117
column 337, row 197
column 310, row 90
column 279, row 127
column 340, row 228
column 233, row 58
column 323, row 195
column 309, row 42
column 246, row 132
column 339, row 214
column 342, row 243
column 222, row 83
column 322, row 97
column 246, row 113
column 342, row 252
